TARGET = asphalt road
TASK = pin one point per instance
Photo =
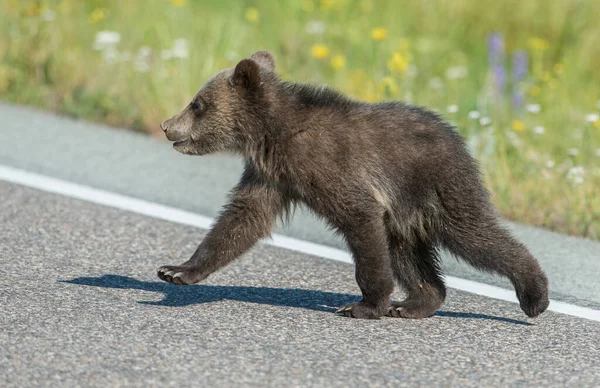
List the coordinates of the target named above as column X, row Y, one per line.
column 142, row 167
column 80, row 304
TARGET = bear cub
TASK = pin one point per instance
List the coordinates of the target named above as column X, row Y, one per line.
column 395, row 180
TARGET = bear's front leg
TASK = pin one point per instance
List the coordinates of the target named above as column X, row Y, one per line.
column 249, row 216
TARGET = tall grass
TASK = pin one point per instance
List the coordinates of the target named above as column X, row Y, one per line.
column 533, row 125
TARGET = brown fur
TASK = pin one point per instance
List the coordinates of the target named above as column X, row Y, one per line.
column 395, row 180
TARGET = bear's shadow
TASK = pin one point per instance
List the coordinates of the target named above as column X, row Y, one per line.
column 178, row 296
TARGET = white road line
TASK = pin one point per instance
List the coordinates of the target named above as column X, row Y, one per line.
column 101, row 197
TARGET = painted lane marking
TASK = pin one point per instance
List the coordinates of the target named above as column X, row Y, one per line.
column 167, row 213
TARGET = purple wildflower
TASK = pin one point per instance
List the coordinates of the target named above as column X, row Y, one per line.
column 496, row 60
column 518, row 98
column 495, row 48
column 500, row 79
column 520, row 65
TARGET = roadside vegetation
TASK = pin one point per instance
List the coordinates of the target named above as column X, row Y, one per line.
column 520, row 79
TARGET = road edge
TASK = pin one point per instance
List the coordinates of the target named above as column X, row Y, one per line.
column 168, row 213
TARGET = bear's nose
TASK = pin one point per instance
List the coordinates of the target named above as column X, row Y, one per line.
column 164, row 126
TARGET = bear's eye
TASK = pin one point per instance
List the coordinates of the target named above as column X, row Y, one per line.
column 197, row 106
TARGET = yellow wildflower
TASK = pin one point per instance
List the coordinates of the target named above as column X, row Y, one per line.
column 338, row 62
column 539, row 44
column 518, row 125
column 319, row 51
column 97, row 15
column 371, row 97
column 329, row 4
column 379, row 33
column 388, row 84
column 308, row 6
column 252, row 15
column 559, row 68
column 178, row 3
column 546, row 76
column 534, row 91
column 398, row 63
column 596, row 124
column 33, row 9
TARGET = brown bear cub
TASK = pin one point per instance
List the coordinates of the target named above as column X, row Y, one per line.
column 395, row 180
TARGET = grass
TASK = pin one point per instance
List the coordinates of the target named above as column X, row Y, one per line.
column 541, row 156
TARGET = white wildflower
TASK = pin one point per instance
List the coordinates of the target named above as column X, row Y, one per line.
column 539, row 129
column 105, row 39
column 485, row 121
column 142, row 60
column 49, row 16
column 577, row 170
column 181, row 48
column 573, row 151
column 436, row 83
column 456, row 72
column 315, row 27
column 534, row 108
column 452, row 108
column 575, row 175
column 550, row 163
column 598, row 152
column 592, row 117
column 474, row 115
column 144, row 51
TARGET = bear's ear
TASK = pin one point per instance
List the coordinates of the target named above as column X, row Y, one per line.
column 246, row 75
column 265, row 59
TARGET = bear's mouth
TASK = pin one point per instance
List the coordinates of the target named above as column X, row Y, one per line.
column 181, row 143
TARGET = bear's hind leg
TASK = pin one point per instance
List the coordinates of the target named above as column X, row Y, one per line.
column 415, row 265
column 489, row 247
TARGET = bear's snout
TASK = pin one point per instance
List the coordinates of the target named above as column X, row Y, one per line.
column 174, row 130
column 164, row 126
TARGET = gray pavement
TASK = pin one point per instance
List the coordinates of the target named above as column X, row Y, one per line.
column 139, row 166
column 80, row 305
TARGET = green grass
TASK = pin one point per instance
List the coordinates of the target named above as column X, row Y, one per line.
column 47, row 59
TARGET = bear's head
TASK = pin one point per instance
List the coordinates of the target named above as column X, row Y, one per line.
column 225, row 111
